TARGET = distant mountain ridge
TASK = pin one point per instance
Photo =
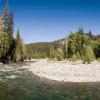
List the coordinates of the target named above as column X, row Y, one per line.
column 60, row 41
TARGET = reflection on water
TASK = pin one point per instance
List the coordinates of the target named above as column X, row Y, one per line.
column 19, row 84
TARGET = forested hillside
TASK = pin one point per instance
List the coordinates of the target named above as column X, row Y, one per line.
column 77, row 46
column 45, row 49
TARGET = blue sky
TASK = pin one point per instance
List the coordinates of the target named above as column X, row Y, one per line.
column 48, row 20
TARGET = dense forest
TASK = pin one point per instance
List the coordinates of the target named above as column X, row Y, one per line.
column 77, row 46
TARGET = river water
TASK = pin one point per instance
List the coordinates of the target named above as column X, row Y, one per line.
column 17, row 83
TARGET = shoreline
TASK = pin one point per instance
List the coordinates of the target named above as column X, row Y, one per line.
column 66, row 71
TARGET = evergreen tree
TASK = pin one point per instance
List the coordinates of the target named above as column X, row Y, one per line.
column 10, row 27
column 5, row 20
column 10, row 48
column 66, row 47
column 71, row 45
column 76, row 43
column 10, row 34
column 7, row 33
column 90, row 34
column 19, row 50
column 4, row 32
column 81, row 31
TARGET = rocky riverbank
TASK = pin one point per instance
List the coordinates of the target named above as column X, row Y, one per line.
column 66, row 71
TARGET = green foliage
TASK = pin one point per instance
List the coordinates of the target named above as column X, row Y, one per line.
column 89, row 54
column 39, row 55
column 81, row 31
column 76, row 57
column 71, row 45
column 19, row 48
column 10, row 25
column 38, row 50
column 79, row 47
column 98, row 59
column 6, row 36
column 5, row 20
column 96, row 47
column 57, row 54
column 10, row 49
column 1, row 45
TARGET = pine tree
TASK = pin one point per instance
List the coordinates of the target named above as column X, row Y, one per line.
column 19, row 50
column 10, row 34
column 4, row 32
column 81, row 31
column 5, row 20
column 66, row 48
column 7, row 33
column 10, row 27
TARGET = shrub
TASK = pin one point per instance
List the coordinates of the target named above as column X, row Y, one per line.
column 88, row 54
column 57, row 54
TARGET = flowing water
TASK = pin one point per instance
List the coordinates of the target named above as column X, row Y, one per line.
column 17, row 83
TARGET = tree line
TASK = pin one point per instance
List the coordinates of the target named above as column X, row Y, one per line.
column 77, row 46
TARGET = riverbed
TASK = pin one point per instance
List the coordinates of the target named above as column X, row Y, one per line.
column 17, row 82
column 66, row 71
